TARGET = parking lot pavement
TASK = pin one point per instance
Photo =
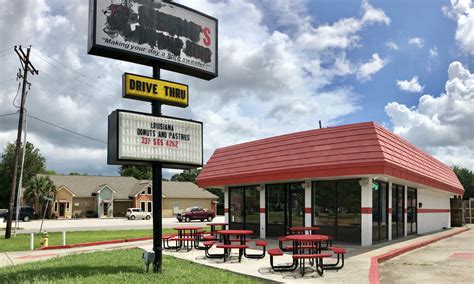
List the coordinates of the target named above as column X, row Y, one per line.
column 449, row 260
column 100, row 224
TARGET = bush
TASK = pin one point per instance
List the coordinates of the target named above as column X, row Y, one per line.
column 91, row 214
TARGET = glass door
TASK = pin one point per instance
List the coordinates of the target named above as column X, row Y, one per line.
column 296, row 206
column 244, row 205
column 379, row 211
column 275, row 209
column 284, row 207
column 398, row 199
column 411, row 211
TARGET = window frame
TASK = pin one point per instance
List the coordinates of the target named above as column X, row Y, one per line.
column 335, row 228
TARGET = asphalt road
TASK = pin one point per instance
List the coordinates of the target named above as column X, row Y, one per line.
column 447, row 261
column 97, row 224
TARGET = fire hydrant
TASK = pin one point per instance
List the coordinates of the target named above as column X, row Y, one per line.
column 45, row 240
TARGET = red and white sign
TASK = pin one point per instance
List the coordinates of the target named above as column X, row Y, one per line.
column 154, row 32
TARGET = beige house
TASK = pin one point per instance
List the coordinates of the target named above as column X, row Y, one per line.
column 103, row 197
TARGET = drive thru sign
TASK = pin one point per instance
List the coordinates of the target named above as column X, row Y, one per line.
column 149, row 89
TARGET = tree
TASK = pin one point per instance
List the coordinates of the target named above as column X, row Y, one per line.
column 138, row 172
column 37, row 189
column 466, row 177
column 34, row 164
column 187, row 175
column 191, row 175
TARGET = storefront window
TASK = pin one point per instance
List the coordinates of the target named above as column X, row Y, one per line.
column 348, row 204
column 236, row 209
column 252, row 205
column 276, row 205
column 336, row 209
column 324, row 209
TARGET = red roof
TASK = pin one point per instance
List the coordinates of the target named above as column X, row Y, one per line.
column 348, row 150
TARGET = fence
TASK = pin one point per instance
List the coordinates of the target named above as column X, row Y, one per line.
column 469, row 211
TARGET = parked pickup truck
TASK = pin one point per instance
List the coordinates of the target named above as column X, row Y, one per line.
column 196, row 213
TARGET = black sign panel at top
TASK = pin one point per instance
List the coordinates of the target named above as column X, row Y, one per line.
column 153, row 32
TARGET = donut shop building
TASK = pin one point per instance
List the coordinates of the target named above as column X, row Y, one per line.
column 359, row 183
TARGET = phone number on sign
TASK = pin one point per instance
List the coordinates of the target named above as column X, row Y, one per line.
column 159, row 142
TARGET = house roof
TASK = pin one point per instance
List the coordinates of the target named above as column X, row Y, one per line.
column 173, row 189
column 84, row 186
column 125, row 187
column 348, row 150
column 139, row 187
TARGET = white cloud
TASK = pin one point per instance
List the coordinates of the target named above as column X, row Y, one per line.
column 433, row 53
column 441, row 125
column 270, row 82
column 462, row 11
column 343, row 33
column 366, row 70
column 392, row 45
column 416, row 41
column 412, row 86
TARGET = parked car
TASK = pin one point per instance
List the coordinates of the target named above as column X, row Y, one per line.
column 137, row 213
column 196, row 213
column 26, row 214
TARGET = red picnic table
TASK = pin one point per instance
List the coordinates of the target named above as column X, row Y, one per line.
column 307, row 247
column 240, row 237
column 214, row 225
column 187, row 236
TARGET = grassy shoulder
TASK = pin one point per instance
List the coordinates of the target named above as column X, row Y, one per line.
column 118, row 266
column 22, row 241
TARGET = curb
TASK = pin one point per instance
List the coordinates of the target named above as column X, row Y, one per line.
column 97, row 243
column 374, row 277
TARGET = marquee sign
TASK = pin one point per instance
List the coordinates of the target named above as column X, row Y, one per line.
column 152, row 32
column 139, row 139
column 149, row 89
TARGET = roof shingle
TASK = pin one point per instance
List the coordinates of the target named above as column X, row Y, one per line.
column 354, row 149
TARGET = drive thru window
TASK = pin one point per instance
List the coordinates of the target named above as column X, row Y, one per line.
column 336, row 209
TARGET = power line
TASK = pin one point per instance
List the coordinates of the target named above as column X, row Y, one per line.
column 7, row 114
column 7, row 49
column 1, row 82
column 72, row 70
column 5, row 54
column 68, row 130
column 73, row 88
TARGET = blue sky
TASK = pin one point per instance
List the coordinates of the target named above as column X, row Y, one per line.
column 283, row 65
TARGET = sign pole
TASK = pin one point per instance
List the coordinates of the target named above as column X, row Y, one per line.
column 157, row 193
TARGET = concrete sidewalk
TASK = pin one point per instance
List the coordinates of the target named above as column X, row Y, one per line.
column 356, row 268
column 448, row 260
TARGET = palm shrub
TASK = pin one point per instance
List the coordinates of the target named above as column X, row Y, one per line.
column 38, row 188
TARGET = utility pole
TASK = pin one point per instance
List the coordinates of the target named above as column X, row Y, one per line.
column 27, row 67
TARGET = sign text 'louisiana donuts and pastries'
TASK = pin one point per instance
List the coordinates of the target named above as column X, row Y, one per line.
column 140, row 139
column 149, row 89
column 154, row 32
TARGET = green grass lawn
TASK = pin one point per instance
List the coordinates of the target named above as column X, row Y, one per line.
column 119, row 266
column 22, row 241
